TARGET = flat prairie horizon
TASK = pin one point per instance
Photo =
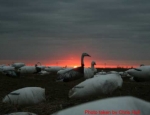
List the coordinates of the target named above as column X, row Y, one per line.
column 76, row 63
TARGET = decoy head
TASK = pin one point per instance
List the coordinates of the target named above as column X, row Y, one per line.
column 85, row 54
column 93, row 63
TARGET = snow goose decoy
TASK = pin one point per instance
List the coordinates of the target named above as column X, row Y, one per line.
column 25, row 96
column 74, row 73
column 126, row 105
column 141, row 73
column 89, row 72
column 53, row 69
column 102, row 84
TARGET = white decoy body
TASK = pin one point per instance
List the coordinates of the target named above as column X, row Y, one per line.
column 121, row 73
column 25, row 96
column 18, row 69
column 89, row 72
column 113, row 106
column 141, row 73
column 2, row 65
column 8, row 71
column 17, row 65
column 113, row 72
column 53, row 69
column 7, row 68
column 26, row 70
column 64, row 70
column 75, row 73
column 21, row 113
column 125, row 74
column 42, row 67
column 101, row 73
column 44, row 73
column 101, row 84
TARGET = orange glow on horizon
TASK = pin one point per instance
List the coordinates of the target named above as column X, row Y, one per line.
column 75, row 66
column 76, row 62
column 96, row 66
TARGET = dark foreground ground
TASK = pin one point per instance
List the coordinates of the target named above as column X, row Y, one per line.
column 57, row 93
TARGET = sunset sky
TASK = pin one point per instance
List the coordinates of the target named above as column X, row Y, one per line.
column 55, row 32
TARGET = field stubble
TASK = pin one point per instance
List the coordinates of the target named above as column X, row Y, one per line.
column 57, row 93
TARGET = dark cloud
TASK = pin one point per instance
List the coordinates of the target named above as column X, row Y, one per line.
column 108, row 29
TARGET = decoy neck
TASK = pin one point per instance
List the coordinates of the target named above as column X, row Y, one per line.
column 82, row 58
